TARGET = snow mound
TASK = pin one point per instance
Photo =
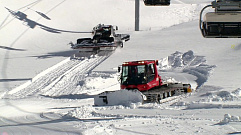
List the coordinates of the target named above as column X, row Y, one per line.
column 100, row 130
column 226, row 96
column 188, row 63
column 229, row 118
column 99, row 81
column 92, row 112
column 223, row 96
column 181, row 60
column 219, row 99
column 237, row 92
column 82, row 112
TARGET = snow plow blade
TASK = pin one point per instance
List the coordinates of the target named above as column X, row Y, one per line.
column 119, row 97
column 97, row 47
column 88, row 45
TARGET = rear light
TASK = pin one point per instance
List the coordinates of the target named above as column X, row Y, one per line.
column 125, row 63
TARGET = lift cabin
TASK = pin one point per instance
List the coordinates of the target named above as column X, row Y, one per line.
column 157, row 2
column 225, row 22
column 141, row 75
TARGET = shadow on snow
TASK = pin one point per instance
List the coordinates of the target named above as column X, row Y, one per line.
column 18, row 79
column 56, row 54
column 70, row 96
column 32, row 24
column 10, row 48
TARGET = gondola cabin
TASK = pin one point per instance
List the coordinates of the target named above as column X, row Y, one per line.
column 157, row 2
column 225, row 22
column 222, row 25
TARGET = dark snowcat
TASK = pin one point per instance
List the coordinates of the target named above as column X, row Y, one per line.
column 104, row 38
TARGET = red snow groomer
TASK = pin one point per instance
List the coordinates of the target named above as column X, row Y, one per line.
column 141, row 75
column 104, row 38
column 141, row 78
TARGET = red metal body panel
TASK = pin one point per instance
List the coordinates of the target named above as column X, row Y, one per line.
column 156, row 82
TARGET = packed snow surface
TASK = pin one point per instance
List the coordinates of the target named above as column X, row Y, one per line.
column 45, row 90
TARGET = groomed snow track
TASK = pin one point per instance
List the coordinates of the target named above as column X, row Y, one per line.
column 63, row 79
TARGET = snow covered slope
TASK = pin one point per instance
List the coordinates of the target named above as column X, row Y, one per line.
column 43, row 91
column 58, row 25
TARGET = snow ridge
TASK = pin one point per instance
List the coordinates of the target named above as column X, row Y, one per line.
column 188, row 63
column 229, row 118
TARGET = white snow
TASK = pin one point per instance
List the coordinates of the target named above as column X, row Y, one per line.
column 44, row 91
column 191, row 67
column 118, row 97
column 229, row 118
